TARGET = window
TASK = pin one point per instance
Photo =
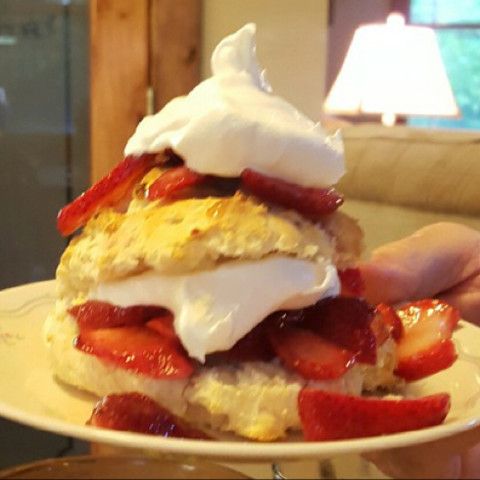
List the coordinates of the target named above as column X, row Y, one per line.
column 457, row 25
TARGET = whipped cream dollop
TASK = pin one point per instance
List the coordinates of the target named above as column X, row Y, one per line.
column 232, row 121
column 213, row 309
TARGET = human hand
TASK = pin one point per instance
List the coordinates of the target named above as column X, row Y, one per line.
column 441, row 260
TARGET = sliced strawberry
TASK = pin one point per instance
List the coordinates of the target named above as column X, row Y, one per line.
column 380, row 329
column 437, row 357
column 312, row 202
column 94, row 314
column 286, row 318
column 134, row 412
column 426, row 346
column 334, row 416
column 352, row 282
column 108, row 192
column 254, row 346
column 309, row 354
column 173, row 180
column 163, row 325
column 139, row 349
column 345, row 321
column 418, row 312
column 389, row 317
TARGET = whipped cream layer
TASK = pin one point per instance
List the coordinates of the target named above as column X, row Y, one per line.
column 232, row 121
column 213, row 309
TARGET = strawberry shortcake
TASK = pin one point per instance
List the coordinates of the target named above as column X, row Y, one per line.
column 213, row 283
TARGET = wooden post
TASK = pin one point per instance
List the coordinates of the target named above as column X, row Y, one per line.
column 118, row 77
column 175, row 29
column 135, row 45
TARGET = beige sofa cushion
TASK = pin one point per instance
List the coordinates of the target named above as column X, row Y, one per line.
column 433, row 170
column 383, row 223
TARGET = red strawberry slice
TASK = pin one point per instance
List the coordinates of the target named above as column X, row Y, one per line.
column 389, row 317
column 254, row 346
column 435, row 358
column 173, row 180
column 139, row 349
column 426, row 346
column 108, row 192
column 352, row 282
column 286, row 318
column 345, row 321
column 380, row 329
column 334, row 416
column 163, row 325
column 134, row 412
column 312, row 202
column 94, row 314
column 309, row 354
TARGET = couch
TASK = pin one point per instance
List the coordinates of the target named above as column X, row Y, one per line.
column 400, row 178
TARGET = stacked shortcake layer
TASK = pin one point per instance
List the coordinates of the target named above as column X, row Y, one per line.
column 254, row 399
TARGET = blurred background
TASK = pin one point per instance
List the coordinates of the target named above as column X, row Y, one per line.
column 76, row 76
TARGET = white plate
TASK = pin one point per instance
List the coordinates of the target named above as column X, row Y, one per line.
column 29, row 394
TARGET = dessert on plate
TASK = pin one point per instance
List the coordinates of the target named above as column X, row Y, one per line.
column 213, row 284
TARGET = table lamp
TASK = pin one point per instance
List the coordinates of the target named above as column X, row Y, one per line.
column 392, row 69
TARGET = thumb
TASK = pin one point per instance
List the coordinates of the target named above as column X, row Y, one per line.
column 433, row 260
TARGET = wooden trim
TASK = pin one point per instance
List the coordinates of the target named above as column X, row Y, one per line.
column 118, row 77
column 175, row 41
column 401, row 6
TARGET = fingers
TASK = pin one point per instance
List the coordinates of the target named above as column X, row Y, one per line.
column 434, row 259
column 466, row 297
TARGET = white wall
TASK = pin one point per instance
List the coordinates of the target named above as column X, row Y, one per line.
column 291, row 43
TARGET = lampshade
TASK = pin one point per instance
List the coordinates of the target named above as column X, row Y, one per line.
column 392, row 69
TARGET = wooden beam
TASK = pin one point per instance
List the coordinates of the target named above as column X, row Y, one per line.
column 118, row 77
column 175, row 31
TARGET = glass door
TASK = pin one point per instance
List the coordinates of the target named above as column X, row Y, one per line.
column 43, row 158
column 43, row 129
